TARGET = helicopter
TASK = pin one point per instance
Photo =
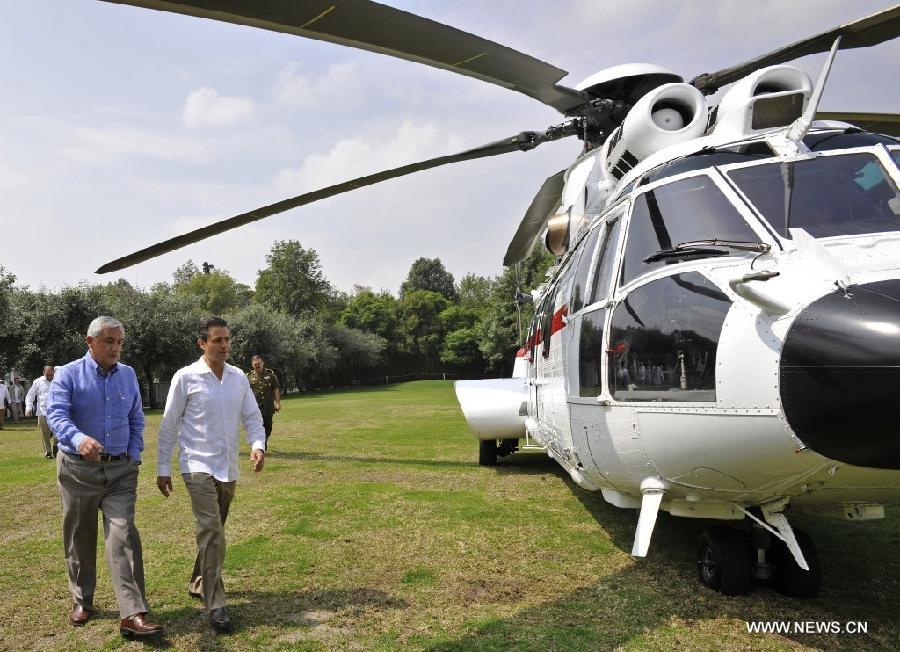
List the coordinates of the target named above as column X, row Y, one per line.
column 719, row 335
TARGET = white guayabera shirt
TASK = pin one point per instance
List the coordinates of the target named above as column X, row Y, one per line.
column 202, row 414
column 40, row 389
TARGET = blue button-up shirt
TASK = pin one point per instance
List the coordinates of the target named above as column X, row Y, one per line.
column 86, row 401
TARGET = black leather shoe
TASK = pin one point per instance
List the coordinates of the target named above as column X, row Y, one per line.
column 138, row 625
column 220, row 621
column 79, row 615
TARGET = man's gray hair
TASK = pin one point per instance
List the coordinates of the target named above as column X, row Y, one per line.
column 102, row 322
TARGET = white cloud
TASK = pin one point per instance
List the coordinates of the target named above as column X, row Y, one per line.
column 351, row 158
column 205, row 108
column 102, row 145
column 295, row 90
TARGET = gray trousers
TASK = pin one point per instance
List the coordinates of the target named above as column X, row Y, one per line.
column 111, row 487
column 210, row 500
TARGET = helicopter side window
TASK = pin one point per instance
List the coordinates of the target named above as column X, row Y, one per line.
column 590, row 353
column 849, row 194
column 683, row 211
column 547, row 319
column 663, row 339
column 581, row 273
column 606, row 264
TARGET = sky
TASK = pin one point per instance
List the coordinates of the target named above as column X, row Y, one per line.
column 121, row 126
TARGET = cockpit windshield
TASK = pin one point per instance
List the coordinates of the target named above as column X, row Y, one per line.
column 850, row 194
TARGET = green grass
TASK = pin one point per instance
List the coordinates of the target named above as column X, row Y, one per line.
column 373, row 527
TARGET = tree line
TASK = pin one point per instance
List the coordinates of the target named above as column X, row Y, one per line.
column 312, row 334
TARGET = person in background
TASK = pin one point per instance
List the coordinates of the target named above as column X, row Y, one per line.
column 267, row 391
column 36, row 404
column 18, row 399
column 207, row 401
column 94, row 408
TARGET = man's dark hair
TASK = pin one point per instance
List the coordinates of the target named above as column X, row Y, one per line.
column 257, row 356
column 208, row 322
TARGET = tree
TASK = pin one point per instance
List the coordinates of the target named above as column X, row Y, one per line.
column 430, row 275
column 358, row 349
column 215, row 293
column 420, row 323
column 185, row 273
column 10, row 329
column 294, row 281
column 297, row 347
column 373, row 313
column 499, row 333
column 475, row 292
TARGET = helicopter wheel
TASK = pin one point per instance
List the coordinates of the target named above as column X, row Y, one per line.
column 791, row 580
column 724, row 560
column 487, row 452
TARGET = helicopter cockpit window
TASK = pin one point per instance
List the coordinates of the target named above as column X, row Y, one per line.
column 683, row 211
column 605, row 263
column 708, row 158
column 818, row 141
column 849, row 194
column 663, row 339
column 581, row 272
column 590, row 353
column 547, row 324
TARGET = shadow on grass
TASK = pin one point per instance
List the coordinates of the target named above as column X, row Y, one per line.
column 251, row 610
column 645, row 603
column 410, row 461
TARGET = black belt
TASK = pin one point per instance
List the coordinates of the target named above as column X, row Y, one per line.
column 104, row 457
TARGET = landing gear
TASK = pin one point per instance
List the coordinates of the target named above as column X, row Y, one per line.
column 489, row 450
column 729, row 559
column 791, row 580
column 724, row 560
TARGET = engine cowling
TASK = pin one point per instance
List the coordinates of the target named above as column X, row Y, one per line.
column 767, row 99
column 668, row 115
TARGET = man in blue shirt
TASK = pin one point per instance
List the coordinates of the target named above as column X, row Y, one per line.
column 94, row 408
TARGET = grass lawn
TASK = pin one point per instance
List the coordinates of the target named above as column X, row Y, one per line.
column 373, row 527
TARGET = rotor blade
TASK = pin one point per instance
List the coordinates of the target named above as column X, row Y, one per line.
column 878, row 123
column 523, row 141
column 862, row 33
column 545, row 202
column 378, row 28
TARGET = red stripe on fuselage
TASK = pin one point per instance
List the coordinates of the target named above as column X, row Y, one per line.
column 558, row 322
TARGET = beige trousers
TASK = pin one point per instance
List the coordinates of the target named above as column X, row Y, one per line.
column 110, row 487
column 210, row 500
column 47, row 437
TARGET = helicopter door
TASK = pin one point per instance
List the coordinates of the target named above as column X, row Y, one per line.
column 590, row 430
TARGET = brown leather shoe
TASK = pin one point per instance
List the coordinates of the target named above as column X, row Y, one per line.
column 79, row 615
column 138, row 625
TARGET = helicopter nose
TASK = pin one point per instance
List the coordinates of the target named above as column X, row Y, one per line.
column 840, row 375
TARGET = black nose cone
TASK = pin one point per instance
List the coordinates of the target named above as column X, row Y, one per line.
column 840, row 375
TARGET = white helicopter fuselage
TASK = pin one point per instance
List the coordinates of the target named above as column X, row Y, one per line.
column 662, row 385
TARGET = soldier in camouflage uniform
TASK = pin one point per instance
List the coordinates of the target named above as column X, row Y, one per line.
column 267, row 391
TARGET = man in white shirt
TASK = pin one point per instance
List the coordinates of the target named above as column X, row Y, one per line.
column 206, row 402
column 37, row 395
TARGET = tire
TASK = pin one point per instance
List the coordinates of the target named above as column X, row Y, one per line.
column 788, row 578
column 723, row 561
column 487, row 452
